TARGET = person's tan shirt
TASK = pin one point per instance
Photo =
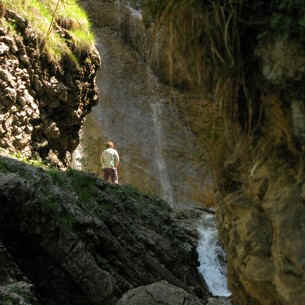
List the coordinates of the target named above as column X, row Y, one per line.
column 110, row 158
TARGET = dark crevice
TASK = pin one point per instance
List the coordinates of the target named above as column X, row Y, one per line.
column 52, row 282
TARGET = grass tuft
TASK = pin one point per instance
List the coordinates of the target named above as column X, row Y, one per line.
column 46, row 15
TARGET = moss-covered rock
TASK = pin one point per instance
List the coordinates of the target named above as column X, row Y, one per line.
column 42, row 101
column 83, row 241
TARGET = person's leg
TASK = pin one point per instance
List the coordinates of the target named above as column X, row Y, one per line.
column 106, row 174
column 116, row 177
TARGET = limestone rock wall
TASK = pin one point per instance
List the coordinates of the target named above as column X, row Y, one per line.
column 138, row 112
column 42, row 103
column 262, row 221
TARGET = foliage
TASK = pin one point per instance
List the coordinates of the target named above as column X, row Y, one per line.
column 212, row 41
column 58, row 176
column 35, row 162
column 83, row 184
column 7, row 301
column 204, row 38
column 288, row 17
column 3, row 167
column 45, row 16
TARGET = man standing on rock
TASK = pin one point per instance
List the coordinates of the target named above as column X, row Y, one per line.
column 110, row 161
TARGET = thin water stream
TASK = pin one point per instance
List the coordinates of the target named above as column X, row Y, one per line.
column 167, row 191
column 211, row 257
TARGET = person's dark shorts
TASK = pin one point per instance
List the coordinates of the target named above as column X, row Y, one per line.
column 112, row 174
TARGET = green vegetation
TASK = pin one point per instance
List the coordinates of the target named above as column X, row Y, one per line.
column 83, row 184
column 211, row 44
column 288, row 18
column 7, row 301
column 35, row 162
column 45, row 16
column 3, row 167
column 57, row 175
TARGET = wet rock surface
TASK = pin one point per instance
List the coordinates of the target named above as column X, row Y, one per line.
column 219, row 301
column 42, row 103
column 138, row 111
column 82, row 241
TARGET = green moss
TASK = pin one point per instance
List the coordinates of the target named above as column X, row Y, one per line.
column 3, row 167
column 83, row 184
column 288, row 18
column 81, row 38
column 58, row 176
column 7, row 301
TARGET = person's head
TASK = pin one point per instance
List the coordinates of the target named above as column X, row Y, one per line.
column 109, row 144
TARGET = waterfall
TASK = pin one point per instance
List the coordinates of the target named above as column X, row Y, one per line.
column 135, row 13
column 297, row 109
column 210, row 254
column 166, row 187
column 78, row 155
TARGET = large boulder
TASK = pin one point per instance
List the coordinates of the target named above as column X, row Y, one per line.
column 158, row 293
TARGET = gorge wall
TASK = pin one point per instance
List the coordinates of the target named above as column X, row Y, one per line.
column 257, row 156
column 262, row 220
column 258, row 163
column 139, row 112
column 67, row 237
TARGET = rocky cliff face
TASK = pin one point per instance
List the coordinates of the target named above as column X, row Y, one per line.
column 62, row 246
column 78, row 240
column 262, row 223
column 137, row 111
column 69, row 238
column 42, row 103
column 260, row 216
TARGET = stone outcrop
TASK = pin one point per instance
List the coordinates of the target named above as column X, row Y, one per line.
column 158, row 293
column 263, row 236
column 42, row 103
column 81, row 241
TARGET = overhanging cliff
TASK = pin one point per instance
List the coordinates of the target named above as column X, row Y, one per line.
column 43, row 101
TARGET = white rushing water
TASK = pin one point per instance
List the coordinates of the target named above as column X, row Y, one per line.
column 78, row 155
column 166, row 187
column 210, row 252
column 135, row 13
